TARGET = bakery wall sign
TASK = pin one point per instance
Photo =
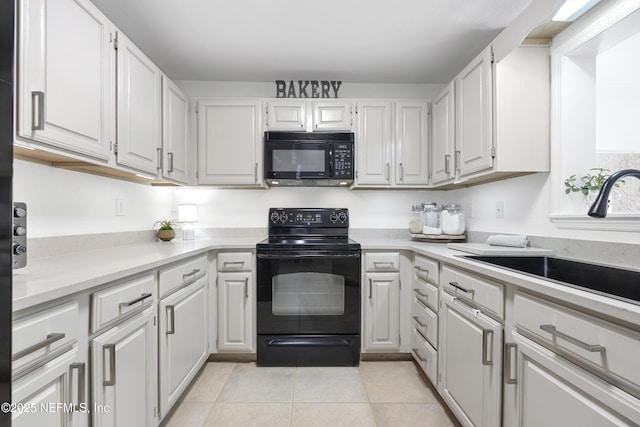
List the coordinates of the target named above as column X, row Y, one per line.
column 307, row 88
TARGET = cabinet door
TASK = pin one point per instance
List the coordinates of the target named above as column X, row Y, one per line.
column 412, row 150
column 65, row 62
column 230, row 143
column 182, row 341
column 235, row 312
column 443, row 115
column 382, row 311
column 553, row 391
column 374, row 144
column 331, row 115
column 124, row 373
column 49, row 395
column 474, row 115
column 175, row 132
column 286, row 115
column 139, row 109
column 470, row 363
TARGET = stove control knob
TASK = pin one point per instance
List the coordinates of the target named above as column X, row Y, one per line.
column 19, row 249
column 19, row 212
column 19, row 230
column 333, row 217
column 284, row 217
column 342, row 216
column 274, row 216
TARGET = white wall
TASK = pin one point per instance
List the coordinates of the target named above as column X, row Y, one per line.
column 62, row 202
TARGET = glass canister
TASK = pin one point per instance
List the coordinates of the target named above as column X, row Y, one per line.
column 431, row 219
column 415, row 221
column 453, row 220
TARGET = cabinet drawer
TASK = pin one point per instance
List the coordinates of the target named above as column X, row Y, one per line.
column 109, row 304
column 425, row 293
column 426, row 269
column 425, row 355
column 425, row 322
column 484, row 293
column 235, row 261
column 382, row 261
column 38, row 336
column 609, row 349
column 173, row 277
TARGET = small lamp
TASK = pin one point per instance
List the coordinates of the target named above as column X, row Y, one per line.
column 187, row 214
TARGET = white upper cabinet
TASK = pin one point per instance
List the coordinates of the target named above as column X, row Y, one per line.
column 474, row 113
column 175, row 132
column 65, row 65
column 443, row 142
column 374, row 143
column 286, row 115
column 332, row 115
column 230, row 142
column 139, row 100
column 412, row 150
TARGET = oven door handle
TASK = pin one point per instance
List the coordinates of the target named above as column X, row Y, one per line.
column 298, row 255
column 310, row 342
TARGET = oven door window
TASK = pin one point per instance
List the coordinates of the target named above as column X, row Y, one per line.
column 308, row 294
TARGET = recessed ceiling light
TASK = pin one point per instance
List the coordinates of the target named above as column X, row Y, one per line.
column 573, row 9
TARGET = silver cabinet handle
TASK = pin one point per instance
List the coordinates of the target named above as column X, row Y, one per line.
column 370, row 288
column 420, row 294
column 246, row 288
column 255, row 173
column 401, row 172
column 51, row 338
column 419, row 322
column 465, row 290
column 170, row 158
column 193, row 272
column 389, row 264
column 159, row 151
column 417, row 353
column 447, row 159
column 135, row 301
column 508, row 346
column 419, row 270
column 457, row 160
column 37, row 110
column 171, row 329
column 486, row 334
column 422, row 269
column 112, row 365
column 80, row 367
column 583, row 345
column 387, row 175
column 233, row 263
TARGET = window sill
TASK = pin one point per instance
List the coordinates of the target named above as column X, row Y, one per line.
column 612, row 222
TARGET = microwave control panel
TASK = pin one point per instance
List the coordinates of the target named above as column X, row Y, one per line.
column 343, row 160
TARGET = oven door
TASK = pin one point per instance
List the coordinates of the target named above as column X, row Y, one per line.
column 308, row 292
column 298, row 160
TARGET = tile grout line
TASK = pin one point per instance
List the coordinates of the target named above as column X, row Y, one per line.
column 366, row 392
column 293, row 394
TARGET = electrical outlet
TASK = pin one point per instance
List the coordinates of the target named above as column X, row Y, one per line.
column 119, row 207
column 500, row 209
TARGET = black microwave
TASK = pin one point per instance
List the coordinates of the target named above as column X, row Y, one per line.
column 308, row 158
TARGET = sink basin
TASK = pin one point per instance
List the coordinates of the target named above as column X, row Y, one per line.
column 609, row 281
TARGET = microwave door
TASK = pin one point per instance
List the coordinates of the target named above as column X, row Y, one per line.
column 300, row 160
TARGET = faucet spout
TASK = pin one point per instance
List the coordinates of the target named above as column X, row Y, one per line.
column 599, row 207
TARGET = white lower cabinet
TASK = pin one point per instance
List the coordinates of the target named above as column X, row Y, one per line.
column 470, row 363
column 382, row 312
column 182, row 341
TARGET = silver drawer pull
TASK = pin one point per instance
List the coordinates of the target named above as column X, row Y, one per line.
column 172, row 324
column 389, row 264
column 51, row 338
column 135, row 301
column 421, row 296
column 508, row 346
column 170, row 157
column 370, row 287
column 80, row 367
column 486, row 334
column 112, row 365
column 233, row 262
column 583, row 345
column 415, row 351
column 419, row 322
column 465, row 290
column 193, row 272
column 37, row 110
column 159, row 167
column 421, row 269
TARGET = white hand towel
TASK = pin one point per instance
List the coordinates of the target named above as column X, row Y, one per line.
column 516, row 241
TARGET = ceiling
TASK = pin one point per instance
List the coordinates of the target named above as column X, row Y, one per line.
column 355, row 41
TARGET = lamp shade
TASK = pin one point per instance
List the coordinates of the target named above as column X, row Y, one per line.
column 187, row 213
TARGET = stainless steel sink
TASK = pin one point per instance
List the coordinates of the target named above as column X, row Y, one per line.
column 609, row 281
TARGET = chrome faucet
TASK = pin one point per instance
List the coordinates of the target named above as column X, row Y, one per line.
column 599, row 207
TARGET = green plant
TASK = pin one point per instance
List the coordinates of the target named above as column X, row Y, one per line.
column 590, row 182
column 165, row 224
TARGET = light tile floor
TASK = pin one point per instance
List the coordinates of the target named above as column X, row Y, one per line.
column 385, row 393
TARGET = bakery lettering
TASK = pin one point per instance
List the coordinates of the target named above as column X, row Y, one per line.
column 308, row 89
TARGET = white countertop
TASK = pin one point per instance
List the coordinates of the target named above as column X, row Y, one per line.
column 45, row 279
